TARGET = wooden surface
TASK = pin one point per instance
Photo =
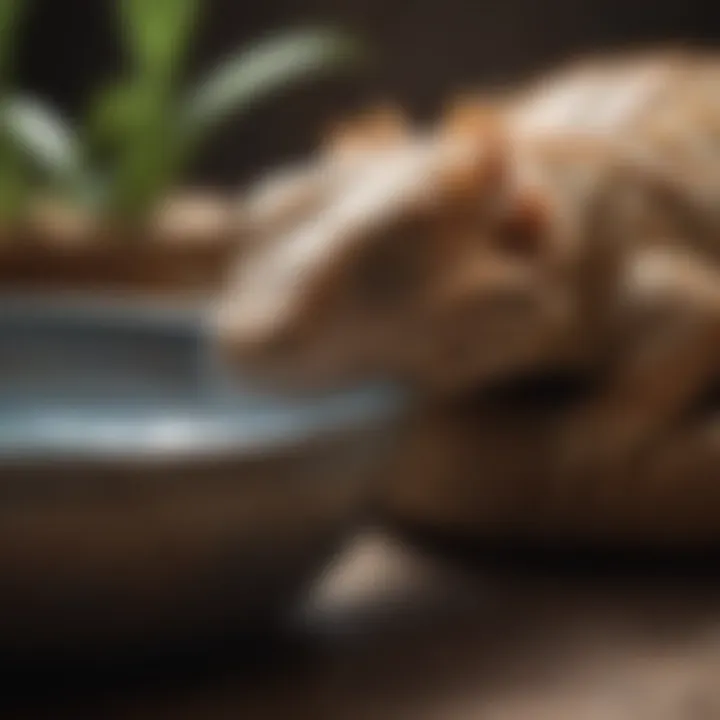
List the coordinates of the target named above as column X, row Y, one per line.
column 392, row 633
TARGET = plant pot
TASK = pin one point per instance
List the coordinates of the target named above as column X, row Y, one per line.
column 183, row 249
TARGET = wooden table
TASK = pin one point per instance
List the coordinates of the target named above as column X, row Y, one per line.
column 390, row 632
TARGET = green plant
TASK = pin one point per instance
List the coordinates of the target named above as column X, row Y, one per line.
column 13, row 176
column 141, row 132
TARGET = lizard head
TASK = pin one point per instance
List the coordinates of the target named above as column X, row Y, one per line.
column 418, row 256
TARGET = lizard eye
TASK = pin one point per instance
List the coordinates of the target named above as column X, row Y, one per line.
column 392, row 266
column 279, row 345
column 383, row 275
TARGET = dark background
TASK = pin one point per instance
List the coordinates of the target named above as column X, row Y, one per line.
column 427, row 49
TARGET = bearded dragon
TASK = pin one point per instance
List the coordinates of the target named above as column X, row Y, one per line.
column 571, row 223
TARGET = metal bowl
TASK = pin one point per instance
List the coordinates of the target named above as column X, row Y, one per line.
column 145, row 496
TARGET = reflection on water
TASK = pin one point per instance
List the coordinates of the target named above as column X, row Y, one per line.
column 74, row 376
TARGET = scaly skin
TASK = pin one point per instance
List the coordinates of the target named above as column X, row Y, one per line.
column 571, row 224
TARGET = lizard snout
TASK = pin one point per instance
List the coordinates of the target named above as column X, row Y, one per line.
column 248, row 341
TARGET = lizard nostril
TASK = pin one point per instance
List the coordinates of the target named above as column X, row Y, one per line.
column 255, row 344
column 276, row 344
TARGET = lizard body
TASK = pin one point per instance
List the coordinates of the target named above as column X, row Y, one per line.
column 573, row 222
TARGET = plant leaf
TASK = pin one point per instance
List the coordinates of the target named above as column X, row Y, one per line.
column 118, row 113
column 141, row 173
column 157, row 33
column 136, row 140
column 132, row 122
column 11, row 12
column 14, row 184
column 41, row 134
column 267, row 66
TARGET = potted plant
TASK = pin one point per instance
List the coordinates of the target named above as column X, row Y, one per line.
column 103, row 204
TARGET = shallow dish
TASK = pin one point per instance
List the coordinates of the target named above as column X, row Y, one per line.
column 146, row 496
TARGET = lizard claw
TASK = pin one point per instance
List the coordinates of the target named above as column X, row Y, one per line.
column 596, row 447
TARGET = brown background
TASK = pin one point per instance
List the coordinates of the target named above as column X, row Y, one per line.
column 426, row 48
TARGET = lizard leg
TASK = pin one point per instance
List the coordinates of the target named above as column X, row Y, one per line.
column 658, row 373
